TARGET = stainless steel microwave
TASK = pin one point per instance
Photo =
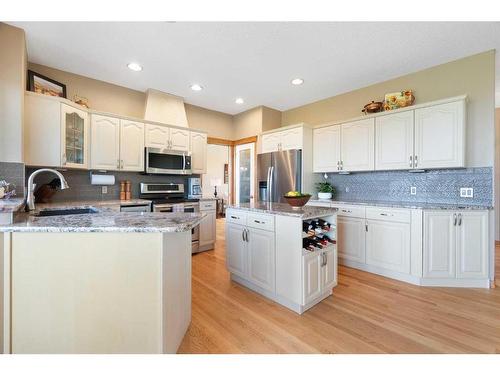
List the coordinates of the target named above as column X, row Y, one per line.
column 165, row 161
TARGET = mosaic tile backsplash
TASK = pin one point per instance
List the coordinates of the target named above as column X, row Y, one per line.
column 13, row 173
column 81, row 189
column 433, row 186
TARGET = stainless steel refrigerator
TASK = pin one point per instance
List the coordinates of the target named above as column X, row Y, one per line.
column 278, row 173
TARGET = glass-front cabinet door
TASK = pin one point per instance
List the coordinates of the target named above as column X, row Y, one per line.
column 74, row 137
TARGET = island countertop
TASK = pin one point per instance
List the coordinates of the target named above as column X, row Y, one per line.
column 306, row 212
column 106, row 221
column 392, row 204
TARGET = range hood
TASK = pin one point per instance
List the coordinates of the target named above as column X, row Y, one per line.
column 165, row 108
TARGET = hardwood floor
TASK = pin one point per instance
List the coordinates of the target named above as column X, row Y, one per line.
column 366, row 314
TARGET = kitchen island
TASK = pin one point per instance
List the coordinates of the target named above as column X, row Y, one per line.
column 101, row 282
column 265, row 252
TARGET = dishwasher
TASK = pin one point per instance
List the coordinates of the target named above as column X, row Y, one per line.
column 140, row 207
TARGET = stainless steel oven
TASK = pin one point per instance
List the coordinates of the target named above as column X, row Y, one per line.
column 183, row 207
column 165, row 161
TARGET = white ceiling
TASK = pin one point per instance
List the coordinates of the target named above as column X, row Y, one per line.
column 254, row 60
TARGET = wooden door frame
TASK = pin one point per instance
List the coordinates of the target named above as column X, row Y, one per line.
column 232, row 145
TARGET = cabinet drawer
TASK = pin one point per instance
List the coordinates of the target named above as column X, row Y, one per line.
column 350, row 211
column 259, row 221
column 237, row 217
column 207, row 205
column 388, row 214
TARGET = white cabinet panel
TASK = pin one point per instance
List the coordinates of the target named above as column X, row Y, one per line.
column 261, row 258
column 207, row 229
column 105, row 142
column 311, row 271
column 388, row 245
column 358, row 145
column 330, row 270
column 74, row 137
column 198, row 152
column 439, row 135
column 351, row 238
column 157, row 136
column 131, row 145
column 271, row 142
column 472, row 245
column 179, row 139
column 394, row 141
column 326, row 149
column 439, row 244
column 291, row 139
column 236, row 250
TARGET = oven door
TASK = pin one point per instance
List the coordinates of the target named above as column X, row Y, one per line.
column 163, row 161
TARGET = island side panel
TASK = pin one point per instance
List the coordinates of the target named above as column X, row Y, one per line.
column 176, row 275
column 289, row 258
column 86, row 293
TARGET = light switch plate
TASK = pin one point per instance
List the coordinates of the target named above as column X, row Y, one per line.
column 104, row 189
column 413, row 190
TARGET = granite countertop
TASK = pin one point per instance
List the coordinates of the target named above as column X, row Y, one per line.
column 306, row 212
column 90, row 203
column 106, row 221
column 11, row 205
column 414, row 205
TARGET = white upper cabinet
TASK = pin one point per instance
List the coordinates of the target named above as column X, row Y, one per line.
column 326, row 151
column 358, row 145
column 439, row 136
column 131, row 145
column 394, row 141
column 198, row 153
column 179, row 139
column 105, row 142
column 157, row 136
column 74, row 137
column 271, row 142
column 289, row 139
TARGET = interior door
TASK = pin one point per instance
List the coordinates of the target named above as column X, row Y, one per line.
column 394, row 141
column 132, row 145
column 326, row 149
column 244, row 172
column 358, row 145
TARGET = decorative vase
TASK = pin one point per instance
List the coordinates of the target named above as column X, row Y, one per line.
column 324, row 195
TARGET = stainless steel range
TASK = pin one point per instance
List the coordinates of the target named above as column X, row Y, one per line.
column 170, row 198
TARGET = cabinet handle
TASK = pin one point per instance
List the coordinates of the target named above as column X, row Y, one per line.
column 258, row 222
column 234, row 217
column 416, row 161
column 385, row 214
column 459, row 219
column 118, row 163
column 411, row 161
column 341, row 165
column 326, row 259
column 64, row 160
column 454, row 219
column 366, row 227
column 338, row 165
column 243, row 235
column 348, row 211
column 246, row 235
column 121, row 163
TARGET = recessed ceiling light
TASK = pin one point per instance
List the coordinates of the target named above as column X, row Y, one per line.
column 297, row 81
column 134, row 66
column 239, row 101
column 196, row 87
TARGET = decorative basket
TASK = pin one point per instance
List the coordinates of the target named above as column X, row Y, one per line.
column 397, row 100
column 298, row 202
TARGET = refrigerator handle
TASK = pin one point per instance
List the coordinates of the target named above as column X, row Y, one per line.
column 270, row 184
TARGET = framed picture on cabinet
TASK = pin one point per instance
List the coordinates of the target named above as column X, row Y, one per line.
column 45, row 85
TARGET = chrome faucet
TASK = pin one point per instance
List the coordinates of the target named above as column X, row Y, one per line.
column 31, row 186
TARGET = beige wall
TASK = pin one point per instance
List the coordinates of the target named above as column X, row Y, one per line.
column 271, row 118
column 474, row 76
column 12, row 86
column 248, row 123
column 102, row 96
column 216, row 124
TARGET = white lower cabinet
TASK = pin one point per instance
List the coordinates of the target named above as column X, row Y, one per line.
column 319, row 272
column 388, row 245
column 351, row 238
column 250, row 254
column 207, row 230
column 455, row 244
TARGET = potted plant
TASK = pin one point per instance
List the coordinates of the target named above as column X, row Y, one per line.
column 325, row 190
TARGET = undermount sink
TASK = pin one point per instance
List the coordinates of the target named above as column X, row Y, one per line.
column 70, row 211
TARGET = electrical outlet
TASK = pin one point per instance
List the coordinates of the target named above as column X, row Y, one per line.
column 466, row 192
column 347, row 189
column 104, row 189
column 413, row 190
